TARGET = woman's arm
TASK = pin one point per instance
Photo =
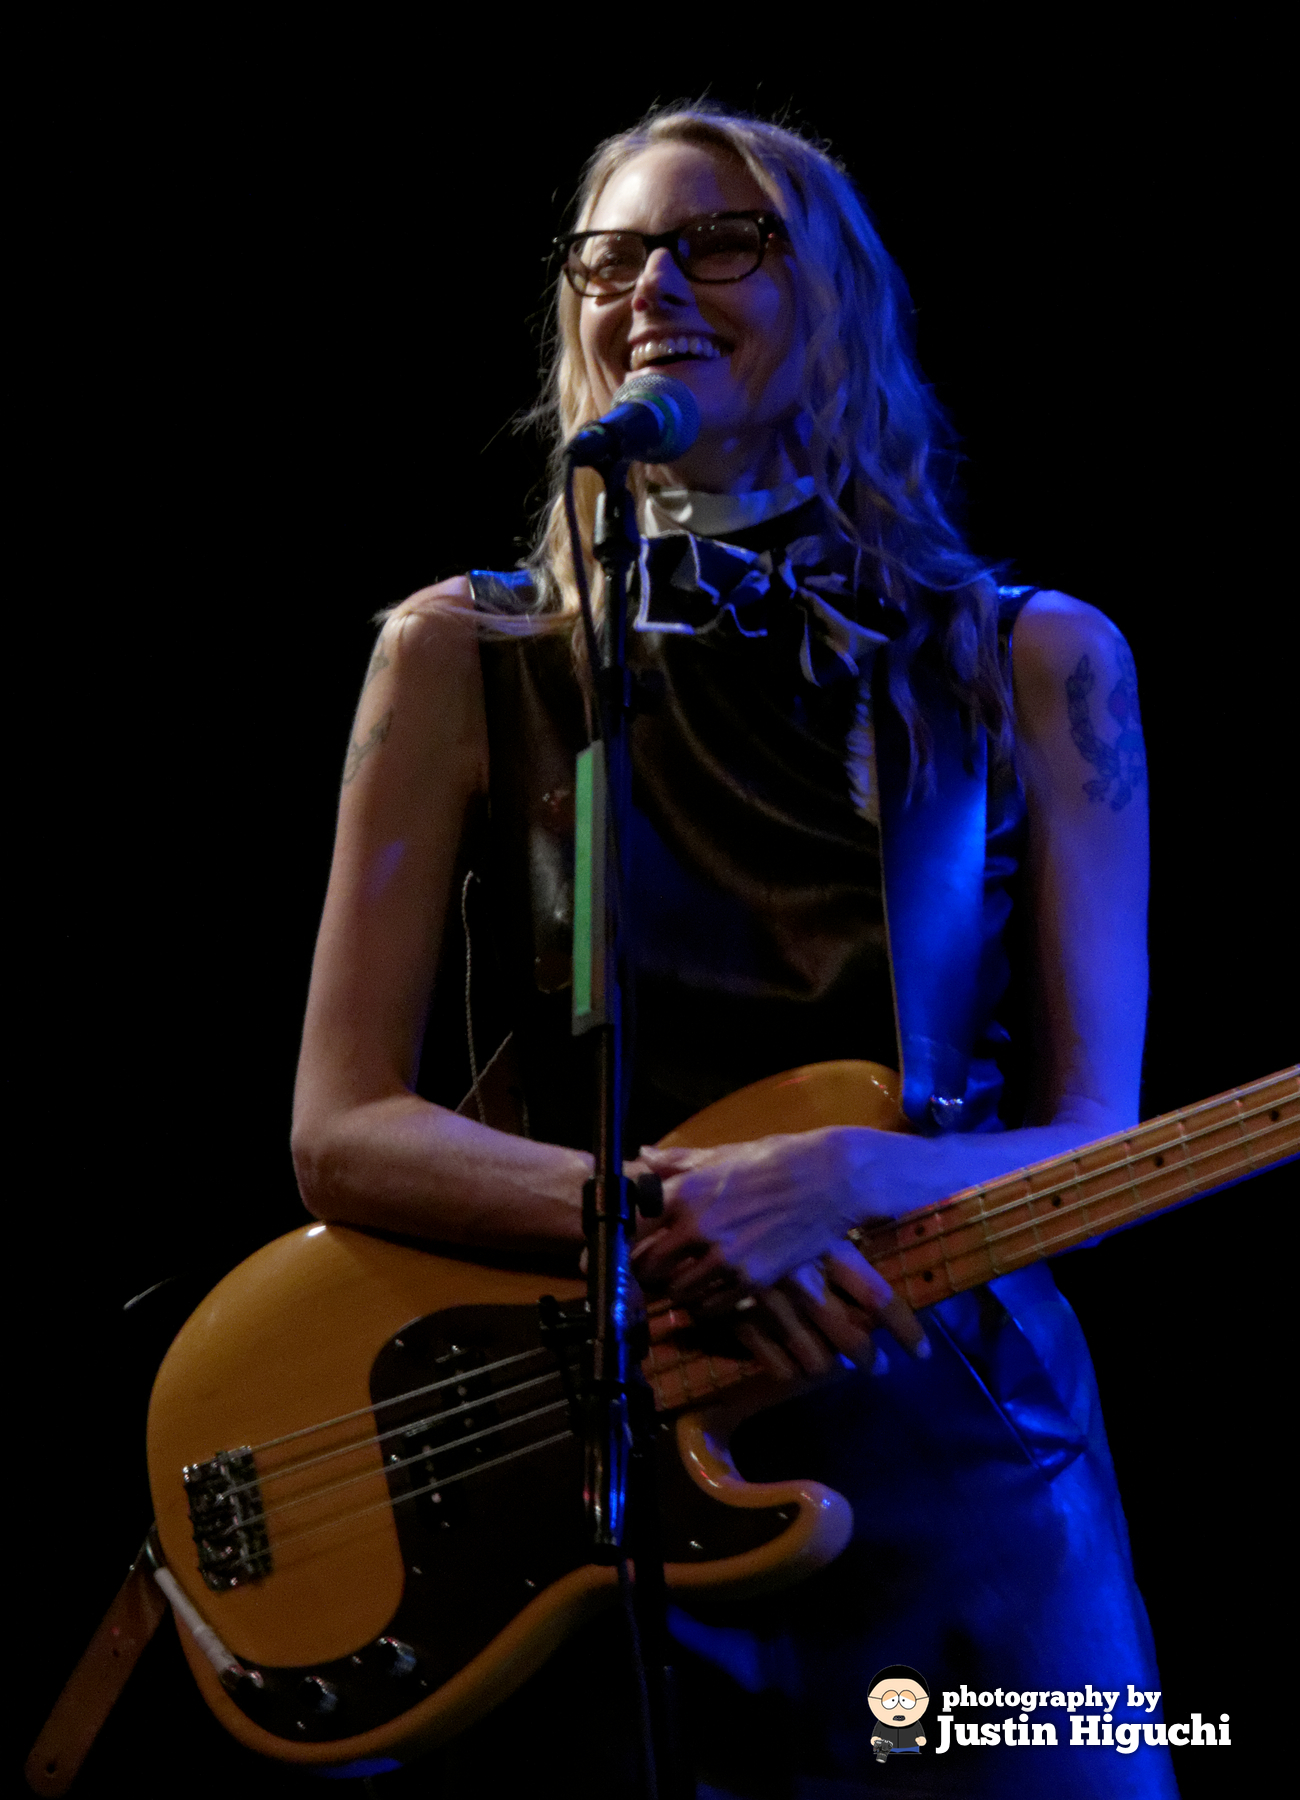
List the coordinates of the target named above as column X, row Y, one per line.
column 1083, row 764
column 756, row 1212
column 366, row 1148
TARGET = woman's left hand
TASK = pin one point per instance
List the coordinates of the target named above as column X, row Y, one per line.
column 739, row 1217
column 757, row 1231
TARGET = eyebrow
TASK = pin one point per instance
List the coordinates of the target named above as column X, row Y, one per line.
column 724, row 212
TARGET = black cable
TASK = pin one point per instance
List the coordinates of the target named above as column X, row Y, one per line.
column 595, row 662
column 639, row 1676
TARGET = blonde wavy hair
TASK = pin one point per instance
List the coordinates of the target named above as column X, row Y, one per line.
column 878, row 442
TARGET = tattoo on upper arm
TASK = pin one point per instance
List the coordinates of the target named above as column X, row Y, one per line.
column 1122, row 765
column 358, row 751
column 380, row 660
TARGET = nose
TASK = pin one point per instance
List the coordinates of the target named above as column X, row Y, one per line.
column 659, row 282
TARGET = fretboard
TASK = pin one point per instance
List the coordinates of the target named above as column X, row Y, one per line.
column 1042, row 1210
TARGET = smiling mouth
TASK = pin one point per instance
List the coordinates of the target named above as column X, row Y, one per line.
column 656, row 353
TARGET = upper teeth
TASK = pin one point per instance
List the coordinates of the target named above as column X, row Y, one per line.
column 653, row 348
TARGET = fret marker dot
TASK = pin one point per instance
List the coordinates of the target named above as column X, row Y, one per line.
column 1159, row 1162
column 1275, row 1115
column 1056, row 1199
column 928, row 1275
column 920, row 1231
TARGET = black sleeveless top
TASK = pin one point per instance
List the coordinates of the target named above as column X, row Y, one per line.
column 755, row 903
column 988, row 1541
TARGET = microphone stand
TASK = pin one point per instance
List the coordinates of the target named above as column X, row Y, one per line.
column 619, row 1470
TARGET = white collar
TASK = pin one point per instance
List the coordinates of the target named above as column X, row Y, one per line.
column 718, row 515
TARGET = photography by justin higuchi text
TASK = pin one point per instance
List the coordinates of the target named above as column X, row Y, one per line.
column 1088, row 1722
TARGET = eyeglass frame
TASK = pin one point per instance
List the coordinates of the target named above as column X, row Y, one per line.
column 665, row 240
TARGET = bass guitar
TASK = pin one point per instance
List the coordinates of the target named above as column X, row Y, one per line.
column 362, row 1457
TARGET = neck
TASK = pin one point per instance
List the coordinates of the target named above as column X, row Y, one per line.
column 745, row 463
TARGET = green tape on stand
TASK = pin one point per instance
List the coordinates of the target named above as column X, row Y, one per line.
column 589, row 891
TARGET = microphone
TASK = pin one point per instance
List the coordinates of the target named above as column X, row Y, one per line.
column 653, row 419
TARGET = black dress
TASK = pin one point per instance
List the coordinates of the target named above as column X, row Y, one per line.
column 989, row 1546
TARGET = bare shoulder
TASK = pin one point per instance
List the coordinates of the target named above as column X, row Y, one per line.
column 428, row 645
column 1077, row 716
column 431, row 625
column 422, row 697
column 1054, row 631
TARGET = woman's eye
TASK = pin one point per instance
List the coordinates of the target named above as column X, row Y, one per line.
column 717, row 241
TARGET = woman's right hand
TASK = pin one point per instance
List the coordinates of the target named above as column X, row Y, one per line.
column 824, row 1312
column 818, row 1316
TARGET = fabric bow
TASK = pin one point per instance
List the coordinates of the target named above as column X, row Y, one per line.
column 704, row 586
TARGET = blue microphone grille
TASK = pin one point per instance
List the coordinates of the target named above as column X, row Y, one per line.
column 676, row 407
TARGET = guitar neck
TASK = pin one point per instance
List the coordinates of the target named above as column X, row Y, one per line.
column 1055, row 1205
column 1050, row 1207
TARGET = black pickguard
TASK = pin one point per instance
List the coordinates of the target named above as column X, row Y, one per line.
column 478, row 1542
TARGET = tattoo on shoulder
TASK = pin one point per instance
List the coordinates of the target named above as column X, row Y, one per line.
column 380, row 660
column 1121, row 766
column 359, row 750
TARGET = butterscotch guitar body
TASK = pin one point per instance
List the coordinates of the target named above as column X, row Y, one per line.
column 367, row 1481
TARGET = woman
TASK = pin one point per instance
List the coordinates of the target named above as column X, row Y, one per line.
column 809, row 670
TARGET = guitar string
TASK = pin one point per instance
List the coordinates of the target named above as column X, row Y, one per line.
column 425, row 1455
column 433, row 1487
column 906, row 1279
column 490, row 1397
column 1177, row 1169
column 950, row 1226
column 950, row 1229
column 560, row 1437
column 482, row 1468
column 955, row 1228
column 416, row 1393
column 441, row 1418
column 903, row 1279
column 947, row 1229
column 1183, row 1139
column 911, row 1277
column 688, row 1365
column 1103, row 1226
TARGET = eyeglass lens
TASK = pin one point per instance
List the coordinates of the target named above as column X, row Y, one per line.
column 610, row 262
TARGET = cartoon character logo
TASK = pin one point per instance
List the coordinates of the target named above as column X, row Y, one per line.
column 898, row 1699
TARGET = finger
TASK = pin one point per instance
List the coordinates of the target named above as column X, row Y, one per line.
column 851, row 1272
column 675, row 1237
column 665, row 1321
column 844, row 1325
column 810, row 1280
column 798, row 1338
column 673, row 1160
column 849, row 1269
column 767, row 1351
column 719, row 1301
column 697, row 1282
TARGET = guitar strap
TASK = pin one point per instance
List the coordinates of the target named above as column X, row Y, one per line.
column 932, row 860
column 98, row 1679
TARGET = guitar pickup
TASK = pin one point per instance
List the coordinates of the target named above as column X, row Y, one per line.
column 228, row 1519
column 559, row 1327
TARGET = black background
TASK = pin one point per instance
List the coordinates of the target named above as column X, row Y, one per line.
column 286, row 301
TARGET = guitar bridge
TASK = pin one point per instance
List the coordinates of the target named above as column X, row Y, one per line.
column 228, row 1519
